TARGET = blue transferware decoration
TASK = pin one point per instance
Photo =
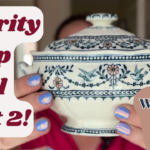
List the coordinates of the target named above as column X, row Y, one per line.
column 87, row 76
column 96, row 43
column 92, row 72
column 137, row 76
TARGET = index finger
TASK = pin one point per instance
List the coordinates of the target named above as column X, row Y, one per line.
column 27, row 84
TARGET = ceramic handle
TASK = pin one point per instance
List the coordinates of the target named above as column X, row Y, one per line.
column 24, row 68
column 102, row 19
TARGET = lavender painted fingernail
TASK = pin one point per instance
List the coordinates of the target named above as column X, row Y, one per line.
column 34, row 80
column 42, row 125
column 122, row 113
column 123, row 128
column 45, row 98
column 49, row 149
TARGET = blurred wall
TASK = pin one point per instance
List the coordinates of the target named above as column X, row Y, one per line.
column 55, row 11
column 125, row 9
column 148, row 19
column 16, row 2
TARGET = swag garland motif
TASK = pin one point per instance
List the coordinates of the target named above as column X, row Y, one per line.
column 112, row 73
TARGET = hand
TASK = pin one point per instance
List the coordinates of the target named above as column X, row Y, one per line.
column 129, row 126
column 26, row 89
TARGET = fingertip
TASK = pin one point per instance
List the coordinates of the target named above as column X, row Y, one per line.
column 42, row 126
column 27, row 84
column 122, row 113
column 45, row 98
column 123, row 128
column 34, row 80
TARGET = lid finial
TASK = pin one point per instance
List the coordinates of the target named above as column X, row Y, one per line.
column 101, row 19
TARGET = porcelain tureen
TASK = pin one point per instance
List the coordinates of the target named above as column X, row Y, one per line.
column 92, row 72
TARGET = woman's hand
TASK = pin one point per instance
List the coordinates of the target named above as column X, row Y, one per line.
column 26, row 89
column 129, row 126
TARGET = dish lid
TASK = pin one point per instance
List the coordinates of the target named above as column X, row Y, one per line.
column 101, row 36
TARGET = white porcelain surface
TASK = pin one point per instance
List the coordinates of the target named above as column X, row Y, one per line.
column 91, row 72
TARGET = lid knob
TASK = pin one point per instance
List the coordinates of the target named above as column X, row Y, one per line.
column 101, row 19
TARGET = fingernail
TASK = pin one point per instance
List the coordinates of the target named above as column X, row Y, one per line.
column 42, row 125
column 34, row 80
column 49, row 149
column 45, row 98
column 122, row 113
column 123, row 128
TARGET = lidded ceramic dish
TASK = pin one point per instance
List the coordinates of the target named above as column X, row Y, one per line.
column 92, row 72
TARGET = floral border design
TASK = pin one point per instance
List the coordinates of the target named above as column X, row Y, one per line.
column 107, row 73
column 112, row 73
column 113, row 79
column 58, row 71
column 127, row 43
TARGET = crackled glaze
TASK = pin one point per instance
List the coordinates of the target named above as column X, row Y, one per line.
column 91, row 72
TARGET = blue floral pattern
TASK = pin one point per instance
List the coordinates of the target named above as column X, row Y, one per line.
column 112, row 73
column 86, row 43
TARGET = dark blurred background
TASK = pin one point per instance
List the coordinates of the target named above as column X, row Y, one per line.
column 133, row 17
